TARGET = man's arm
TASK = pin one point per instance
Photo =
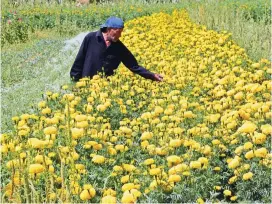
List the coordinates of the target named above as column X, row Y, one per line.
column 76, row 70
column 131, row 63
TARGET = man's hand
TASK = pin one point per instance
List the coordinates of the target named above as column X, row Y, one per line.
column 158, row 77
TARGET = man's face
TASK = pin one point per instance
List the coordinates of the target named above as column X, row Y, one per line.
column 114, row 34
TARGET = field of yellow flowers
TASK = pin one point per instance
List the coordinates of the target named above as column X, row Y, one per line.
column 201, row 135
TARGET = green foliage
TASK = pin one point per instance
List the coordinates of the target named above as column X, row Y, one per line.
column 251, row 27
column 14, row 29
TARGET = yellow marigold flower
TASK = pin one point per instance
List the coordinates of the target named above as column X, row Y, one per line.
column 101, row 108
column 246, row 166
column 175, row 143
column 85, row 195
column 259, row 138
column 51, row 168
column 97, row 146
column 21, row 123
column 113, row 174
column 23, row 155
column 23, row 132
column 266, row 129
column 80, row 166
column 52, row 196
column 125, row 179
column 50, row 130
column 80, row 84
column 147, row 190
column 87, row 186
column 247, row 127
column 39, row 159
column 126, row 130
column 108, row 200
column 15, row 119
column 207, row 150
column 174, row 159
column 188, row 114
column 186, row 173
column 158, row 110
column 98, row 159
column 154, row 171
column 137, row 186
column 174, row 178
column 218, row 188
column 120, row 147
column 248, row 145
column 232, row 180
column 128, row 198
column 216, row 142
column 234, row 163
column 214, row 118
column 55, row 96
column 112, row 151
column 92, row 192
column 247, row 176
column 146, row 136
column 217, row 168
column 64, row 87
column 89, row 108
column 82, row 124
column 129, row 167
column 36, row 143
column 160, row 151
column 42, row 104
column 227, row 192
column 179, row 168
column 249, row 154
column 4, row 149
column 113, row 139
column 200, row 201
column 36, row 168
column 144, row 144
column 46, row 111
column 118, row 168
column 77, row 133
column 239, row 150
column 235, row 141
column 149, row 161
column 195, row 164
column 136, row 193
column 256, row 65
column 239, row 96
column 221, row 41
column 25, row 116
column 203, row 160
column 261, row 152
column 233, row 198
column 127, row 187
column 109, row 192
column 12, row 163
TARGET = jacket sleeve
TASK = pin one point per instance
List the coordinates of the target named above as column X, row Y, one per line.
column 131, row 63
column 76, row 70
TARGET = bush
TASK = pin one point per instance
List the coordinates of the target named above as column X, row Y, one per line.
column 13, row 31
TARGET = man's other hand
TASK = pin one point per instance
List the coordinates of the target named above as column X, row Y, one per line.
column 158, row 77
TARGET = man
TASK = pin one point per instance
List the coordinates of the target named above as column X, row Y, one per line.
column 102, row 51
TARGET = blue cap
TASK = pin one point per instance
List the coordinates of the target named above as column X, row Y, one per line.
column 113, row 22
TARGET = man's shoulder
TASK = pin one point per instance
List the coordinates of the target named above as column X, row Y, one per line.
column 91, row 34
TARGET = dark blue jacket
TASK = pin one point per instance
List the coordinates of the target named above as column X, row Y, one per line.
column 94, row 54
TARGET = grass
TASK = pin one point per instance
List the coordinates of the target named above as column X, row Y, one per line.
column 30, row 72
column 254, row 36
